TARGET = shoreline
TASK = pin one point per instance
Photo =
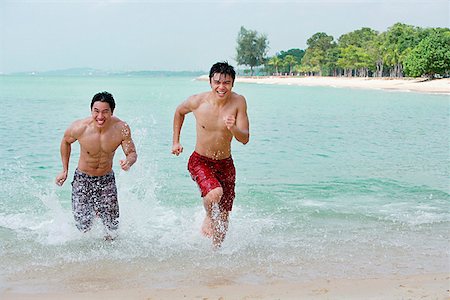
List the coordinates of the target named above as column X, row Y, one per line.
column 434, row 286
column 435, row 86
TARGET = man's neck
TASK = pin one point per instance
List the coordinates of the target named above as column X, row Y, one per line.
column 215, row 100
column 100, row 129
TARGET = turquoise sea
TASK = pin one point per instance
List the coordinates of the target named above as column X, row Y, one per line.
column 334, row 183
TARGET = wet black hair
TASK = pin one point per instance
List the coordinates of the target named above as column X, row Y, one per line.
column 222, row 68
column 104, row 97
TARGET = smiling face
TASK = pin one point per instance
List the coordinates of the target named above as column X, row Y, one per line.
column 101, row 113
column 221, row 85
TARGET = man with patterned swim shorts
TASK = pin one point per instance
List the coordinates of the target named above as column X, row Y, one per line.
column 220, row 115
column 94, row 192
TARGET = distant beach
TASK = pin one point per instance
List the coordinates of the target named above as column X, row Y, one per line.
column 436, row 86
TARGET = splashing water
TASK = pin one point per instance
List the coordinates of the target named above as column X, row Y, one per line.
column 344, row 198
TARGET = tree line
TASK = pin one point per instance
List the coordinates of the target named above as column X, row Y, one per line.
column 402, row 50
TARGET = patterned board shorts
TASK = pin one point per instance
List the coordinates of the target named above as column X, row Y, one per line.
column 95, row 196
column 210, row 174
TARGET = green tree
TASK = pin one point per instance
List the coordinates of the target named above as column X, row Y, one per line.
column 290, row 61
column 431, row 56
column 314, row 61
column 275, row 61
column 330, row 66
column 251, row 48
column 359, row 38
column 398, row 38
column 295, row 52
column 311, row 61
column 320, row 40
column 363, row 42
column 348, row 59
column 376, row 49
column 282, row 67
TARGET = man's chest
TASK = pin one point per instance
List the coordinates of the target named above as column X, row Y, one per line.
column 211, row 118
column 96, row 142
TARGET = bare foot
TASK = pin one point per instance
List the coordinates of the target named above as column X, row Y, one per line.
column 206, row 229
column 109, row 238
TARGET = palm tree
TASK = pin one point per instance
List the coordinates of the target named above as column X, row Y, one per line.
column 275, row 62
column 290, row 61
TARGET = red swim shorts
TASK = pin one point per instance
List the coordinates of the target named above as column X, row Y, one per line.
column 210, row 174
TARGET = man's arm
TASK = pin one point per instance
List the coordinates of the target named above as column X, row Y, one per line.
column 65, row 150
column 178, row 120
column 239, row 125
column 128, row 148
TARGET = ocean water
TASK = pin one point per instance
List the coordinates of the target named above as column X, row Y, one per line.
column 334, row 183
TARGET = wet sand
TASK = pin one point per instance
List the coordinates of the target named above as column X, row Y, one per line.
column 428, row 286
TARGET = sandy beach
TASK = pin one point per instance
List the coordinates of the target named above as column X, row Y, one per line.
column 429, row 286
column 436, row 86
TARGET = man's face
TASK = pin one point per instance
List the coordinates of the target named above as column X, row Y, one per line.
column 221, row 85
column 101, row 113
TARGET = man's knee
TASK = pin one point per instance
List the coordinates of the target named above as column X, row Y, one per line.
column 83, row 223
column 214, row 195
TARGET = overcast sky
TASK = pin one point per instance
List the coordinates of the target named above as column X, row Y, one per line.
column 181, row 35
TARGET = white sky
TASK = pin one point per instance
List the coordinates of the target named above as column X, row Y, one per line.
column 181, row 35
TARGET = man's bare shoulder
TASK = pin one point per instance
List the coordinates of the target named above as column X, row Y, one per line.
column 237, row 96
column 238, row 99
column 119, row 125
column 81, row 122
column 79, row 126
column 195, row 100
column 118, row 122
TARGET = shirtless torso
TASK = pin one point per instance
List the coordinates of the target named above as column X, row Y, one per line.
column 97, row 148
column 220, row 114
column 99, row 136
column 213, row 136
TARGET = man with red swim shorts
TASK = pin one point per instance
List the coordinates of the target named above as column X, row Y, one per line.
column 220, row 115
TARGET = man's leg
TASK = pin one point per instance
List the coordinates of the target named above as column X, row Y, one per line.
column 209, row 201
column 109, row 214
column 81, row 205
column 108, row 206
column 215, row 224
column 222, row 227
column 226, row 175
